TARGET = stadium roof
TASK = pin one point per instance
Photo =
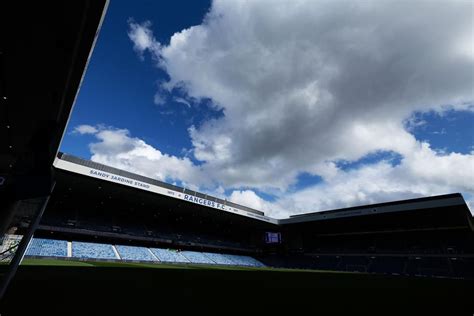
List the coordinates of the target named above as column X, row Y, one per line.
column 161, row 189
column 114, row 176
column 44, row 51
column 432, row 202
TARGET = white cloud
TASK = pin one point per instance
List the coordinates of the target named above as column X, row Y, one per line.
column 303, row 84
column 85, row 129
column 142, row 38
column 306, row 82
column 423, row 173
column 115, row 147
column 250, row 199
column 159, row 98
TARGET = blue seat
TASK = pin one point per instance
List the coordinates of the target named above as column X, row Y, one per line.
column 167, row 255
column 245, row 261
column 219, row 258
column 47, row 248
column 92, row 250
column 197, row 257
column 134, row 253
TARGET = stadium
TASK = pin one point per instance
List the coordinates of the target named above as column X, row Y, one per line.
column 74, row 230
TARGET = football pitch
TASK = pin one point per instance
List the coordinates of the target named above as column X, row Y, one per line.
column 121, row 264
column 49, row 286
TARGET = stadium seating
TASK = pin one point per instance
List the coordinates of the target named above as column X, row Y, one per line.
column 92, row 250
column 47, row 248
column 87, row 250
column 219, row 258
column 245, row 261
column 354, row 263
column 387, row 265
column 167, row 255
column 327, row 262
column 134, row 253
column 462, row 267
column 196, row 257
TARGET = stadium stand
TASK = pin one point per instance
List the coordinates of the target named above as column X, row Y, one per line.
column 134, row 253
column 219, row 258
column 168, row 255
column 430, row 237
column 40, row 247
column 92, row 250
column 245, row 261
column 47, row 248
column 196, row 257
column 382, row 238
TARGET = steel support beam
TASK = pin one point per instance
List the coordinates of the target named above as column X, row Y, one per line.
column 23, row 245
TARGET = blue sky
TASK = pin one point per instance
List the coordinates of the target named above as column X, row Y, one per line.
column 282, row 107
column 118, row 87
